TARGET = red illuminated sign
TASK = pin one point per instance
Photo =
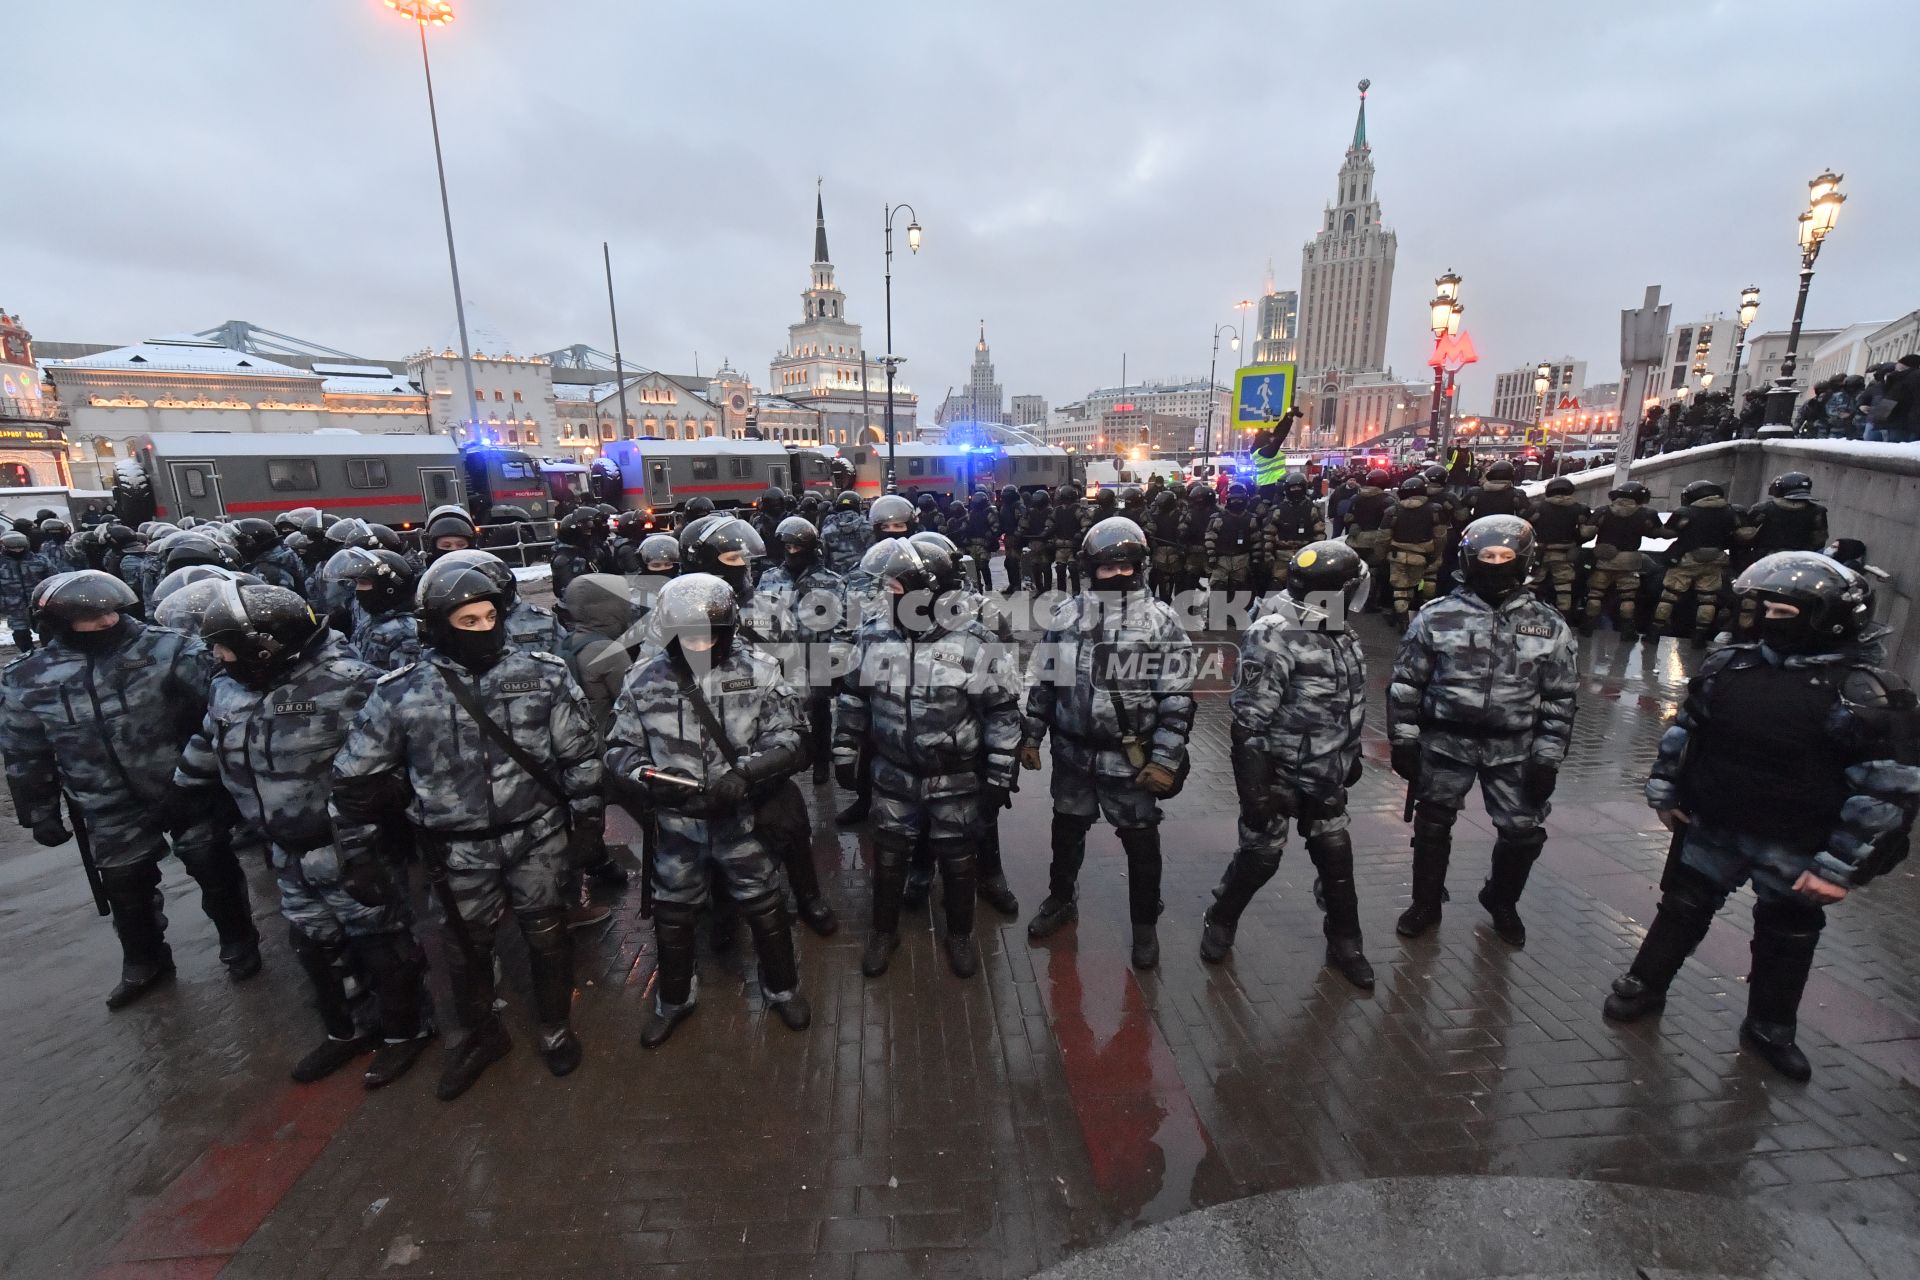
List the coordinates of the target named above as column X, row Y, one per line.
column 1123, row 408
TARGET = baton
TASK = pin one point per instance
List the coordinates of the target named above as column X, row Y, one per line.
column 85, row 841
column 646, row 774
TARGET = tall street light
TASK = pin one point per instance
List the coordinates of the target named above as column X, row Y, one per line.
column 439, row 13
column 1749, row 308
column 890, row 360
column 1542, row 379
column 1443, row 318
column 1816, row 224
column 1206, row 447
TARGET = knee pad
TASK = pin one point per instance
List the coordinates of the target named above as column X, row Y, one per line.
column 1529, row 840
column 891, row 849
column 1433, row 821
column 675, row 915
column 545, row 930
column 1788, row 916
column 1070, row 826
column 1692, row 891
column 141, row 877
column 1264, row 863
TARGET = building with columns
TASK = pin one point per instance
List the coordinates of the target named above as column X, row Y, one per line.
column 824, row 365
column 1346, row 271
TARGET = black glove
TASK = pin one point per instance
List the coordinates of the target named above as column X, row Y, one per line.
column 993, row 799
column 728, row 791
column 1406, row 760
column 51, row 831
column 1353, row 775
column 366, row 881
column 1539, row 779
column 847, row 774
column 181, row 807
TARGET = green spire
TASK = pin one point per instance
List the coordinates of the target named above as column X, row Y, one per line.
column 1360, row 122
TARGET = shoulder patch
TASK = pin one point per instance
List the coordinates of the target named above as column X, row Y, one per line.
column 739, row 684
column 1542, row 630
column 396, row 673
column 541, row 655
column 522, row 686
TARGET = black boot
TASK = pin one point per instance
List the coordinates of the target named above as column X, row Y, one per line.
column 1784, row 937
column 918, row 886
column 1142, row 845
column 779, row 971
column 993, row 887
column 1069, row 851
column 486, row 1041
column 1246, row 874
column 550, row 957
column 1432, row 849
column 396, row 969
column 1513, row 859
column 889, row 871
column 959, row 873
column 678, row 990
column 320, row 961
column 1332, row 853
column 223, row 896
column 608, row 873
column 1685, row 913
column 820, row 725
column 133, row 895
column 804, row 877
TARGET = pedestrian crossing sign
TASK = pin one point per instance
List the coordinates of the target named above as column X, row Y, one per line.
column 1261, row 394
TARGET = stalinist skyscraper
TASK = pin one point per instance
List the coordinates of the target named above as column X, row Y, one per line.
column 1346, row 272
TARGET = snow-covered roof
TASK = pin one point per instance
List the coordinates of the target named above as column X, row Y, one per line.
column 184, row 355
column 387, row 384
column 332, row 444
column 707, row 444
column 352, row 370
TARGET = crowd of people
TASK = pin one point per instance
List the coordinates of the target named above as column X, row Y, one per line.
column 389, row 726
column 1883, row 404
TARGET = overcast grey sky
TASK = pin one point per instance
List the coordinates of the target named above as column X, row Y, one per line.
column 1095, row 177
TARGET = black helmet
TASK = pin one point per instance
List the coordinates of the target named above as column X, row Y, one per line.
column 1699, row 490
column 1435, row 473
column 1294, row 486
column 658, row 549
column 1236, row 493
column 697, row 506
column 630, row 525
column 697, row 606
column 386, row 538
column 66, row 598
column 15, row 543
column 1559, row 486
column 185, row 549
column 1200, row 491
column 1166, row 500
column 190, row 574
column 902, row 560
column 120, row 537
column 448, row 522
column 1328, row 565
column 1797, row 485
column 1117, row 541
column 1633, row 491
column 55, row 528
column 287, row 521
column 450, row 584
column 493, row 567
column 1132, row 496
column 797, row 529
column 1833, row 601
column 576, row 528
column 943, row 559
column 1487, row 574
column 890, row 508
column 1037, row 498
column 1009, row 493
column 1500, row 471
column 691, row 529
column 267, row 629
column 185, row 607
column 847, row 500
column 1379, row 479
column 1413, row 487
column 353, row 532
column 979, row 499
column 774, row 500
column 928, row 502
column 387, row 575
column 254, row 537
column 718, row 537
column 308, row 520
column 1106, row 499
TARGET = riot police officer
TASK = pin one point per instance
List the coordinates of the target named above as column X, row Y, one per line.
column 1119, row 740
column 1293, row 523
column 387, row 636
column 1065, row 538
column 773, row 508
column 1789, row 520
column 1561, row 522
column 1414, row 529
column 573, row 548
column 698, row 727
column 448, row 528
column 1007, row 516
column 20, row 572
column 1201, row 501
column 1617, row 561
column 1496, row 494
column 1366, row 516
column 1792, row 765
column 1703, row 532
column 490, row 752
column 1036, row 540
column 629, row 531
column 262, row 554
column 276, row 716
column 1483, row 689
column 1163, row 527
column 99, row 713
column 931, row 699
column 845, row 536
column 813, row 598
column 1298, row 710
column 529, row 626
column 980, row 537
column 1233, row 541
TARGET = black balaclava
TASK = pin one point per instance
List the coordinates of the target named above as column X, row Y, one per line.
column 1494, row 583
column 95, row 643
column 477, row 651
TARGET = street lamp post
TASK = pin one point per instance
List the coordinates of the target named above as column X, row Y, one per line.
column 1444, row 318
column 890, row 360
column 1542, row 379
column 1816, row 224
column 1213, row 363
column 1749, row 307
column 439, row 13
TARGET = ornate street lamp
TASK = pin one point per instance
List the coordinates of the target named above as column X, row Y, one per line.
column 890, row 360
column 1816, row 224
column 1206, row 447
column 439, row 13
column 1749, row 308
column 1443, row 317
